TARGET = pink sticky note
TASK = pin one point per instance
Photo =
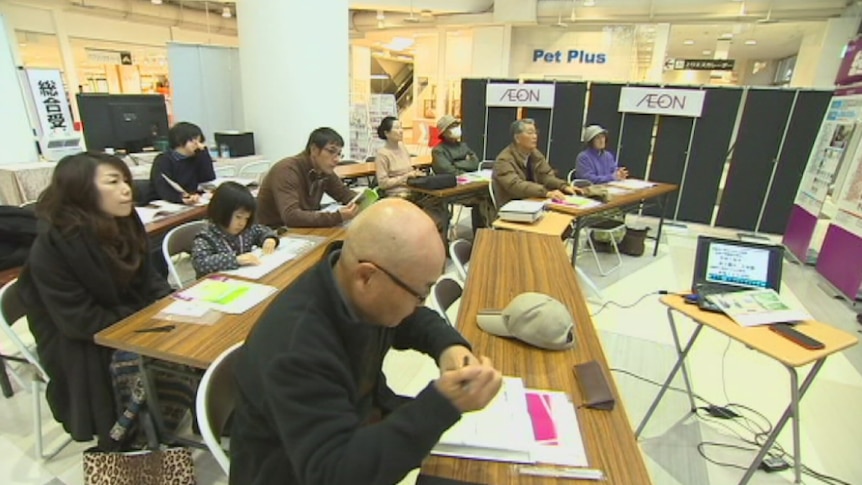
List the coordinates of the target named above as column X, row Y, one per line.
column 544, row 428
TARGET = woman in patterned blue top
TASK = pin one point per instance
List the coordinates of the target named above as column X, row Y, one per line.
column 228, row 239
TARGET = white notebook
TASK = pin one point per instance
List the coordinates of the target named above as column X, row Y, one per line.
column 289, row 248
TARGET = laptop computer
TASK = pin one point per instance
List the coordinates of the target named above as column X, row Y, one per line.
column 726, row 265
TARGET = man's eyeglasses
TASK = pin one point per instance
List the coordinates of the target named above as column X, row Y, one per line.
column 419, row 296
column 335, row 151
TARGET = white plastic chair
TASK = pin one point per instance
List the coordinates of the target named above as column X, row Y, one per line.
column 255, row 170
column 224, row 172
column 12, row 310
column 445, row 292
column 576, row 181
column 179, row 240
column 215, row 401
column 609, row 231
column 460, row 251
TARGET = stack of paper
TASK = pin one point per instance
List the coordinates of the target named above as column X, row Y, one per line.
column 521, row 426
column 161, row 209
column 633, row 184
column 522, row 211
column 226, row 295
column 477, row 176
column 756, row 307
column 500, row 432
column 289, row 248
column 579, row 202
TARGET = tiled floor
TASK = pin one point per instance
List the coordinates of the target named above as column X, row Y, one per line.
column 638, row 340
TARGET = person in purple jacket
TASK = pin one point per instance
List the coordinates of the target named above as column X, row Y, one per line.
column 596, row 163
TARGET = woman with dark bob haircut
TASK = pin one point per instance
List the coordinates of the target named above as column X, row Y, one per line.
column 88, row 269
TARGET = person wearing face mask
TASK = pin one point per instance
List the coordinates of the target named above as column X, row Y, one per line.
column 595, row 163
column 522, row 172
column 188, row 163
column 453, row 155
column 88, row 269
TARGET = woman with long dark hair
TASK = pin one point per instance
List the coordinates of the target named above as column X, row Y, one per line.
column 87, row 269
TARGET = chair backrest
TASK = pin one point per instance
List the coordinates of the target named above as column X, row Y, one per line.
column 493, row 196
column 460, row 251
column 179, row 240
column 486, row 165
column 12, row 309
column 347, row 161
column 142, row 188
column 215, row 402
column 225, row 171
column 446, row 291
column 573, row 180
column 369, row 159
column 255, row 170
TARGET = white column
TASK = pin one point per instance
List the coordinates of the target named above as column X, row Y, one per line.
column 442, row 81
column 659, row 53
column 68, row 60
column 492, row 51
column 16, row 136
column 820, row 53
column 294, row 58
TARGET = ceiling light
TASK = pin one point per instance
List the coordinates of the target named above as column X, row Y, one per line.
column 225, row 12
column 706, row 52
column 589, row 3
column 688, row 42
column 726, row 35
column 156, row 2
column 750, row 42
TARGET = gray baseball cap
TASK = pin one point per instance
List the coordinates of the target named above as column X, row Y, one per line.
column 534, row 318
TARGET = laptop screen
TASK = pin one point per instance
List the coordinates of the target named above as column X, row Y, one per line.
column 737, row 265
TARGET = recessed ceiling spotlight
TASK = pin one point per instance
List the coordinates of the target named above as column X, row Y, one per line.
column 589, row 3
column 706, row 52
column 688, row 42
column 156, row 2
column 750, row 42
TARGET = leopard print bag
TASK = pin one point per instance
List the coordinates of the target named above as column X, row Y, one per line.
column 170, row 466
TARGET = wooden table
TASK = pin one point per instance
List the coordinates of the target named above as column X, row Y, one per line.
column 505, row 264
column 198, row 345
column 767, row 342
column 551, row 224
column 369, row 169
column 659, row 192
column 159, row 227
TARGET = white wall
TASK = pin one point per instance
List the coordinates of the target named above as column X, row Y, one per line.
column 16, row 137
column 617, row 45
column 820, row 53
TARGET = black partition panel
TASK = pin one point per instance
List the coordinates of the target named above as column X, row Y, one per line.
column 805, row 122
column 567, row 125
column 498, row 134
column 542, row 117
column 712, row 132
column 473, row 114
column 635, row 143
column 668, row 158
column 758, row 140
column 604, row 110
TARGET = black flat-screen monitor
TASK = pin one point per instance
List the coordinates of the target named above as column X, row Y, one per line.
column 129, row 122
column 737, row 264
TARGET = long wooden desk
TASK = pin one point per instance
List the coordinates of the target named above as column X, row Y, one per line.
column 505, row 264
column 767, row 342
column 658, row 192
column 369, row 169
column 198, row 345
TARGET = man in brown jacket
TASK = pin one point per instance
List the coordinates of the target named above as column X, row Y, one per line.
column 522, row 172
column 290, row 193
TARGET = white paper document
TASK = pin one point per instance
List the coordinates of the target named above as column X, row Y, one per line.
column 289, row 248
column 632, row 184
column 500, row 432
column 756, row 307
column 225, row 294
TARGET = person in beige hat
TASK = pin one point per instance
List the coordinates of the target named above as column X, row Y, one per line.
column 453, row 156
column 595, row 163
column 534, row 318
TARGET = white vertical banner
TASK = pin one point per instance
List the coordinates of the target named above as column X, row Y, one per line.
column 49, row 98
